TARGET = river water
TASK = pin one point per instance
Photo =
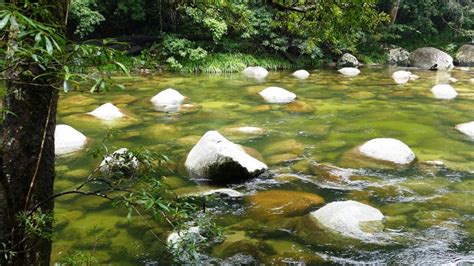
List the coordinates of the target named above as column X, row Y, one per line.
column 428, row 209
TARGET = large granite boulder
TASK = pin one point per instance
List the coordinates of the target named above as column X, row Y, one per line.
column 68, row 140
column 388, row 149
column 255, row 72
column 277, row 95
column 431, row 58
column 398, row 56
column 216, row 158
column 465, row 55
column 347, row 60
column 350, row 218
column 444, row 92
column 107, row 112
column 168, row 100
column 466, row 128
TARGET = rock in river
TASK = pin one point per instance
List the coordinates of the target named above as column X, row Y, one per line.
column 301, row 74
column 121, row 160
column 349, row 71
column 107, row 111
column 401, row 77
column 466, row 128
column 348, row 60
column 255, row 72
column 429, row 57
column 444, row 92
column 277, row 95
column 168, row 100
column 388, row 149
column 351, row 218
column 67, row 140
column 465, row 55
column 220, row 160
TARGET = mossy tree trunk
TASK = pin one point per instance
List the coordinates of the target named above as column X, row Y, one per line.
column 27, row 163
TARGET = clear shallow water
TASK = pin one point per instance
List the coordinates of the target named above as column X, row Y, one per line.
column 429, row 210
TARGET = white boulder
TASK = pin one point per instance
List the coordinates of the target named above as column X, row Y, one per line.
column 231, row 193
column 277, row 95
column 401, row 77
column 67, row 140
column 107, row 111
column 301, row 74
column 414, row 77
column 168, row 100
column 348, row 217
column 444, row 92
column 388, row 149
column 472, row 80
column 220, row 160
column 452, row 80
column 349, row 71
column 120, row 160
column 255, row 72
column 466, row 128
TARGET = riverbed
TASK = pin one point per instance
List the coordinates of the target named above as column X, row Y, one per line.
column 308, row 146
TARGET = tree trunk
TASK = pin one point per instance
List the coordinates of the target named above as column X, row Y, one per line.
column 27, row 163
column 394, row 11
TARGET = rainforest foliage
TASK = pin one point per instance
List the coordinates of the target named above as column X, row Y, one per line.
column 216, row 36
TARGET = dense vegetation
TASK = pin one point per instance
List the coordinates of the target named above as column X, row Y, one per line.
column 226, row 36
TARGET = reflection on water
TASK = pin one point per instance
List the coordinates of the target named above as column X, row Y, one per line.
column 308, row 146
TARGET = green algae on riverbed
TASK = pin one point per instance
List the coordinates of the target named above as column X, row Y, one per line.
column 304, row 144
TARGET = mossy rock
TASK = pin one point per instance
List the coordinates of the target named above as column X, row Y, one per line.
column 429, row 218
column 426, row 186
column 281, row 158
column 284, row 146
column 261, row 108
column 161, row 132
column 462, row 201
column 299, row 107
column 272, row 204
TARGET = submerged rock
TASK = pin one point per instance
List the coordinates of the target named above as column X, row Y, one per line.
column 466, row 128
column 388, row 149
column 120, row 161
column 444, row 92
column 429, row 57
column 465, row 55
column 67, row 140
column 107, row 111
column 351, row 218
column 347, row 60
column 277, row 95
column 255, row 72
column 282, row 203
column 231, row 193
column 301, row 74
column 349, row 71
column 401, row 77
column 168, row 100
column 220, row 160
column 452, row 80
column 299, row 107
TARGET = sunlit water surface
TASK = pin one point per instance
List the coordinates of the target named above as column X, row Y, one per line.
column 429, row 209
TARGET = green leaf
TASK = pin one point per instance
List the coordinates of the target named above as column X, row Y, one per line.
column 38, row 38
column 121, row 86
column 4, row 21
column 124, row 68
column 49, row 45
